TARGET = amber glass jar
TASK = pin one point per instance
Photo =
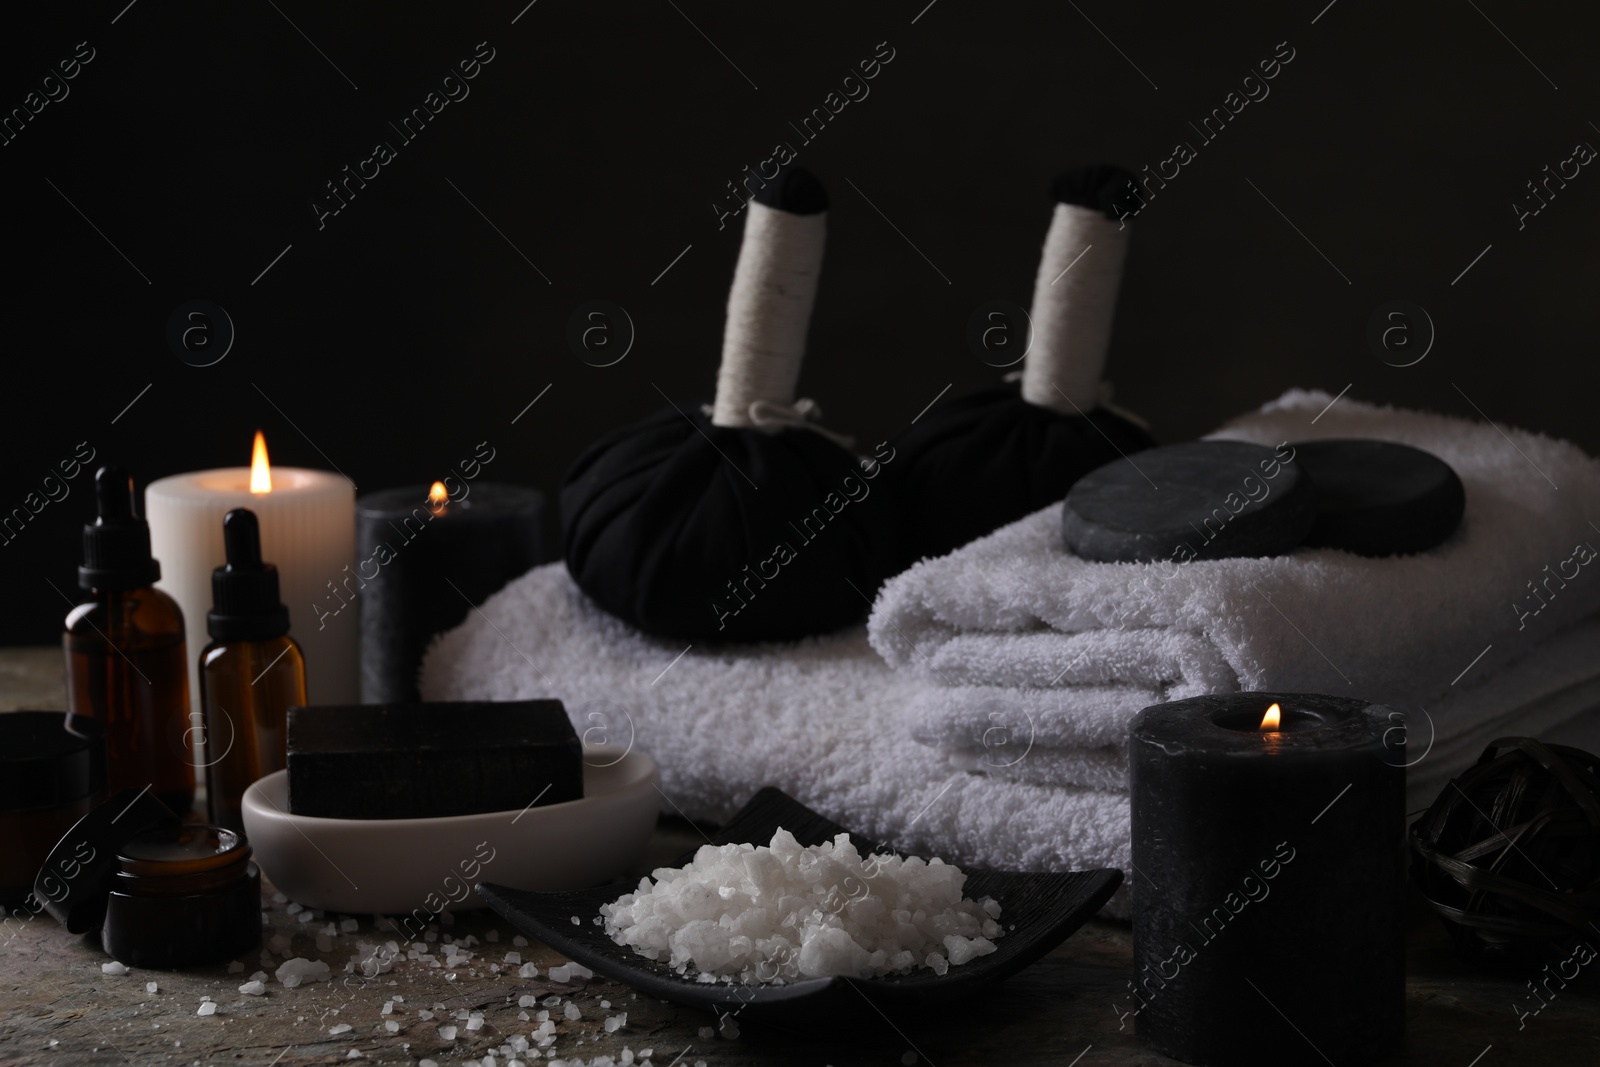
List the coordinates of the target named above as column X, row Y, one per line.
column 183, row 896
column 52, row 771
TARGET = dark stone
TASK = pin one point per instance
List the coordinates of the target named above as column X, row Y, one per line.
column 423, row 761
column 1379, row 498
column 1201, row 500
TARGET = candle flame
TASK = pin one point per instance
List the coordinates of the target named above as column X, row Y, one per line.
column 438, row 494
column 1272, row 718
column 260, row 470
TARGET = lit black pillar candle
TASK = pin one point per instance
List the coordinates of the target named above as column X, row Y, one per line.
column 1268, row 835
column 426, row 558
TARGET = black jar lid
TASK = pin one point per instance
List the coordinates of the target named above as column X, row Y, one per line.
column 76, row 879
column 49, row 759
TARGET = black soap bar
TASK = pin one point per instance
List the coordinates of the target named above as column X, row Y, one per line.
column 1379, row 498
column 1201, row 500
column 422, row 761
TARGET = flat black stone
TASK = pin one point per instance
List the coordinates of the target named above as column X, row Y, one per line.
column 1379, row 498
column 424, row 761
column 1200, row 500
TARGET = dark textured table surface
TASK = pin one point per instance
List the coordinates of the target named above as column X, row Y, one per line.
column 57, row 1006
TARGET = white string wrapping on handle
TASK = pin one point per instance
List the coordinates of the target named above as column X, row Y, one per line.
column 769, row 313
column 1074, row 301
column 1102, row 400
column 803, row 414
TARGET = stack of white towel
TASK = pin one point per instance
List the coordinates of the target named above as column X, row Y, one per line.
column 1041, row 658
column 1014, row 660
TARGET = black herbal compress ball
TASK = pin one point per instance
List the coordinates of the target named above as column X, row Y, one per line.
column 987, row 459
column 740, row 524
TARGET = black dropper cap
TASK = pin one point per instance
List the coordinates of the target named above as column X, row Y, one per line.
column 244, row 591
column 116, row 546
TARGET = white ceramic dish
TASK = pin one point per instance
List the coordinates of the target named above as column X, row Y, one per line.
column 423, row 866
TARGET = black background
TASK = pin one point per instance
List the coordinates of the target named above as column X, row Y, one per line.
column 392, row 341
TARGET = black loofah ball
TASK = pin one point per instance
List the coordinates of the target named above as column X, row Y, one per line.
column 1509, row 854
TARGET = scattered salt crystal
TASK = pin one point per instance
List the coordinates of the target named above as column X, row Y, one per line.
column 150, row 987
column 300, row 970
column 513, row 957
column 113, row 968
column 279, row 898
column 520, row 941
column 576, row 921
column 296, row 908
column 342, row 1028
column 208, row 1008
column 646, row 1053
column 616, row 1022
column 447, row 1032
column 424, row 1014
column 349, row 925
column 571, row 1011
column 475, row 1021
column 253, row 989
column 730, row 1027
column 578, row 970
column 428, row 1063
column 527, row 970
column 259, row 976
column 527, row 1000
column 392, row 1026
column 707, row 1033
column 235, row 967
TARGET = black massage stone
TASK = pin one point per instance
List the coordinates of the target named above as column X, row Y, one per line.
column 425, row 761
column 1379, row 498
column 1200, row 500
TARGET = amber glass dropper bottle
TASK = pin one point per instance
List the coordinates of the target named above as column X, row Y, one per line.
column 126, row 664
column 251, row 673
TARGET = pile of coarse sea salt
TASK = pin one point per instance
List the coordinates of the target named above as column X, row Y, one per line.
column 780, row 912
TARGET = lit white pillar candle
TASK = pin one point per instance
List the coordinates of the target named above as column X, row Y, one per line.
column 308, row 528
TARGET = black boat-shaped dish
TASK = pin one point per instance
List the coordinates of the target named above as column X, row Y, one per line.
column 1038, row 912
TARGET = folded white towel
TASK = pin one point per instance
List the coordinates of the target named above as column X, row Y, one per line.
column 1077, row 736
column 821, row 719
column 1016, row 609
